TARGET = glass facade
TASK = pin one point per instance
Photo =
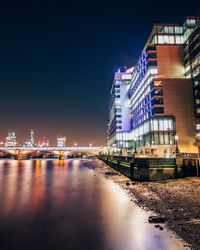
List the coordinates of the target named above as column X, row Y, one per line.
column 192, row 64
column 119, row 114
column 149, row 126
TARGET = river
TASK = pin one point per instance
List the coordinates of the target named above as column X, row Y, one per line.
column 66, row 204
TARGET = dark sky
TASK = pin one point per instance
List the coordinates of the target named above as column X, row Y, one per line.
column 57, row 61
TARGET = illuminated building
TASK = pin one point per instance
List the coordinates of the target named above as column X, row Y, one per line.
column 31, row 139
column 161, row 93
column 43, row 143
column 61, row 141
column 11, row 140
column 192, row 65
column 119, row 110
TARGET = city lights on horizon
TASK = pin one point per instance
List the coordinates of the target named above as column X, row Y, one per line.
column 61, row 141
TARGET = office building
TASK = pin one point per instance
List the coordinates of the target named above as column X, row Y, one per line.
column 43, row 143
column 119, row 110
column 192, row 66
column 161, row 93
column 61, row 140
column 11, row 140
column 30, row 140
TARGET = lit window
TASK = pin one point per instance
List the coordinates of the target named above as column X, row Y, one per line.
column 170, row 125
column 178, row 39
column 178, row 30
column 155, row 125
column 153, row 71
column 161, row 125
column 197, row 101
column 161, row 139
column 171, row 30
column 160, row 39
column 157, row 83
column 166, row 39
column 171, row 39
column 156, row 140
column 166, row 138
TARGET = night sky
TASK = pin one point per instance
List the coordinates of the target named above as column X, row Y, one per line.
column 57, row 61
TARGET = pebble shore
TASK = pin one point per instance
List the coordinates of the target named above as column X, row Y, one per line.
column 178, row 201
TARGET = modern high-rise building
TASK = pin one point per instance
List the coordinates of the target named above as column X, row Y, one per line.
column 11, row 140
column 61, row 140
column 163, row 94
column 119, row 110
column 30, row 140
column 192, row 65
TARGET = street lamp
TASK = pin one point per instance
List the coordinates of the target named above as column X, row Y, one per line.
column 177, row 151
column 120, row 147
column 114, row 145
column 75, row 144
column 135, row 139
column 90, row 144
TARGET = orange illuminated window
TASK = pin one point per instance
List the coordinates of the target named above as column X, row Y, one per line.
column 158, row 83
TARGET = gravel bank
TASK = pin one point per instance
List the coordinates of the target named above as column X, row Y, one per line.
column 177, row 200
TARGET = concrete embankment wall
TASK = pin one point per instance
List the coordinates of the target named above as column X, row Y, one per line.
column 152, row 169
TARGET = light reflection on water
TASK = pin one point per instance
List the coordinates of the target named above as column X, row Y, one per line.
column 65, row 204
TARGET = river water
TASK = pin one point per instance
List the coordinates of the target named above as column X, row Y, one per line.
column 66, row 204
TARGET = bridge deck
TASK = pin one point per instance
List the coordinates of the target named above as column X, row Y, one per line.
column 51, row 148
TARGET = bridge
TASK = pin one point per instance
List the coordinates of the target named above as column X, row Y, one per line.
column 51, row 148
column 61, row 152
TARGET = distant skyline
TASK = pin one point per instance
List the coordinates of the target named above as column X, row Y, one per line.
column 39, row 140
column 57, row 62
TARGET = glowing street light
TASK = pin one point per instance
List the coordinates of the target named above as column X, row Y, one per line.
column 75, row 144
column 114, row 145
column 90, row 144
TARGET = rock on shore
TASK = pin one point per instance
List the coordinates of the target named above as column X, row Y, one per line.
column 178, row 201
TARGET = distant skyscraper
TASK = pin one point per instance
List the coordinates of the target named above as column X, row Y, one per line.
column 46, row 142
column 61, row 141
column 31, row 140
column 11, row 140
column 43, row 143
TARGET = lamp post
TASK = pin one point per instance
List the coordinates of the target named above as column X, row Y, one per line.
column 135, row 139
column 177, row 151
column 120, row 148
column 114, row 145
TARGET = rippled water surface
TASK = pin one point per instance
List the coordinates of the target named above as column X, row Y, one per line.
column 68, row 205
